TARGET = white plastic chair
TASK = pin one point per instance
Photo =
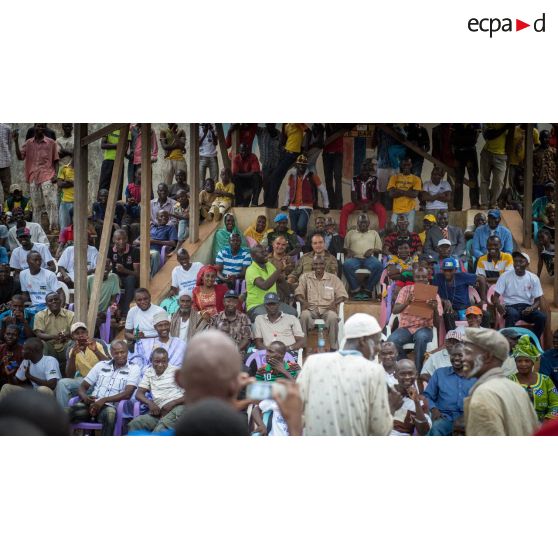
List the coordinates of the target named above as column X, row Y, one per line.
column 431, row 346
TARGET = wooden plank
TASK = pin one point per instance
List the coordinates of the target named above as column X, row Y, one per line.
column 100, row 133
column 194, row 179
column 81, row 203
column 555, row 279
column 528, row 187
column 419, row 151
column 106, row 234
column 145, row 216
column 223, row 146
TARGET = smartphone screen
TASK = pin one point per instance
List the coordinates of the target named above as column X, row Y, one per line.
column 259, row 391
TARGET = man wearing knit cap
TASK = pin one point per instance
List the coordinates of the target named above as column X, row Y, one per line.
column 345, row 393
column 495, row 406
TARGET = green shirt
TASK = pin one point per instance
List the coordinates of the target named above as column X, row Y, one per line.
column 255, row 295
column 110, row 154
column 109, row 288
column 267, row 374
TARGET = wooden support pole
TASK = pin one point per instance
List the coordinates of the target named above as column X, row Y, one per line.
column 145, row 216
column 81, row 210
column 235, row 144
column 100, row 133
column 106, row 234
column 194, row 179
column 528, row 187
column 223, row 146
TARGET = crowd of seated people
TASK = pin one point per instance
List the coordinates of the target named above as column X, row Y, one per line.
column 277, row 289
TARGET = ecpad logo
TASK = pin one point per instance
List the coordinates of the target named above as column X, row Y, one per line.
column 493, row 25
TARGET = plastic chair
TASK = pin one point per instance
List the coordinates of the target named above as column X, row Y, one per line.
column 431, row 346
column 92, row 426
column 66, row 293
column 525, row 331
column 104, row 328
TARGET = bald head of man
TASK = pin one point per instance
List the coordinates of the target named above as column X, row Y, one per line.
column 406, row 372
column 211, row 368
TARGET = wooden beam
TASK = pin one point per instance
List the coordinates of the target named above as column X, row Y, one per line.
column 555, row 278
column 145, row 216
column 419, row 151
column 81, row 210
column 194, row 180
column 528, row 186
column 100, row 133
column 235, row 144
column 106, row 234
column 223, row 146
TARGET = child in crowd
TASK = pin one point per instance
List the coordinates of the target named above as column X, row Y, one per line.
column 224, row 191
column 180, row 212
column 207, row 197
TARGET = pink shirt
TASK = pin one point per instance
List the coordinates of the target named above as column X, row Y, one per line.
column 39, row 157
column 137, row 148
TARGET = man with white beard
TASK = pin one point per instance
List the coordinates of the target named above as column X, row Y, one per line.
column 345, row 393
column 496, row 406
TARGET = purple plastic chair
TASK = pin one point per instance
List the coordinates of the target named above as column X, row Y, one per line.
column 97, row 425
column 259, row 358
column 104, row 328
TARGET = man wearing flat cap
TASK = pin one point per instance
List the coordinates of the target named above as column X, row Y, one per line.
column 345, row 393
column 496, row 406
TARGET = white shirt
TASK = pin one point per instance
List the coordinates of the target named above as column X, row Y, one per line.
column 517, row 289
column 38, row 286
column 137, row 318
column 18, row 259
column 46, row 369
column 184, row 327
column 67, row 259
column 37, row 234
column 163, row 388
column 207, row 147
column 405, row 414
column 437, row 360
column 434, row 189
column 344, row 395
column 108, row 381
column 390, row 379
column 185, row 279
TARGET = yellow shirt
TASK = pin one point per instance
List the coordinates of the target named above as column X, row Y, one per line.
column 505, row 263
column 226, row 188
column 496, row 145
column 175, row 154
column 85, row 360
column 518, row 151
column 294, row 133
column 67, row 174
column 360, row 243
column 404, row 182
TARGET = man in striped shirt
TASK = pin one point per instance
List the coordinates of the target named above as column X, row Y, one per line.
column 167, row 398
column 232, row 262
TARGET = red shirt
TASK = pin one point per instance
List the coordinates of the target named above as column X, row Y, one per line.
column 336, row 146
column 66, row 235
column 245, row 136
column 134, row 191
column 250, row 164
column 39, row 156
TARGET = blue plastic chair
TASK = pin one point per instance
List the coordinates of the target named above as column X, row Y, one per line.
column 525, row 331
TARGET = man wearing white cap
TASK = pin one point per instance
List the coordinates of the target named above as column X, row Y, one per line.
column 174, row 346
column 496, row 406
column 345, row 393
column 522, row 292
column 441, row 357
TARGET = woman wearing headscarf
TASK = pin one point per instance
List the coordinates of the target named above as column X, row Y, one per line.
column 223, row 234
column 541, row 390
column 207, row 296
column 256, row 232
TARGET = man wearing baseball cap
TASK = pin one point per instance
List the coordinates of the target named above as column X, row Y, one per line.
column 83, row 353
column 495, row 406
column 282, row 229
column 521, row 291
column 345, row 393
column 443, row 251
column 473, row 315
column 492, row 228
column 453, row 289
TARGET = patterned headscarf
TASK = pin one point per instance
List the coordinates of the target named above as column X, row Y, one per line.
column 203, row 271
column 525, row 348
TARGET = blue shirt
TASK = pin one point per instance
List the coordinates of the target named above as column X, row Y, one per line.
column 549, row 365
column 233, row 264
column 162, row 232
column 4, row 255
column 457, row 292
column 483, row 233
column 446, row 391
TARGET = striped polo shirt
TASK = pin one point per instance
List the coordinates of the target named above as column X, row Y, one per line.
column 163, row 388
column 233, row 264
